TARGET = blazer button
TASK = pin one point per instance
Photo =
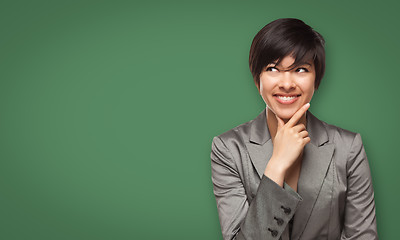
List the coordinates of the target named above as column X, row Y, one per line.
column 286, row 210
column 274, row 233
column 279, row 221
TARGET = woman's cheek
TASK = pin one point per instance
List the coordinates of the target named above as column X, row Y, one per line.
column 265, row 98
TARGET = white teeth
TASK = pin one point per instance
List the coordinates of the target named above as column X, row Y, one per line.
column 286, row 98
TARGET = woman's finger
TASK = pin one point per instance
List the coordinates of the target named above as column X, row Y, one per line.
column 303, row 134
column 296, row 117
column 299, row 127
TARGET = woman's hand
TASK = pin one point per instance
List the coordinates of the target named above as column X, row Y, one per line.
column 289, row 143
column 290, row 139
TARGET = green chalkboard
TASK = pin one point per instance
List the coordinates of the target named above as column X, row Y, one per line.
column 108, row 108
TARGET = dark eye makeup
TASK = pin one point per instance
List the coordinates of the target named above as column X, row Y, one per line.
column 271, row 69
column 274, row 69
column 302, row 69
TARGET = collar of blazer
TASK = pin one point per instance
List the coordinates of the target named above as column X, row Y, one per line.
column 317, row 156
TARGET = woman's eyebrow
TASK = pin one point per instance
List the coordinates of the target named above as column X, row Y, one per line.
column 304, row 63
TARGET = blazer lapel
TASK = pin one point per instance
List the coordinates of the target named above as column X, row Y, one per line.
column 317, row 156
column 260, row 146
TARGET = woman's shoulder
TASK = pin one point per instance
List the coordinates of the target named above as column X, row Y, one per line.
column 255, row 130
column 339, row 135
column 238, row 134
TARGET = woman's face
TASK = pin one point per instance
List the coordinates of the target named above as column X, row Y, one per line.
column 285, row 90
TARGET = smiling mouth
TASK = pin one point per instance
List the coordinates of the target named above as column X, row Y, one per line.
column 286, row 99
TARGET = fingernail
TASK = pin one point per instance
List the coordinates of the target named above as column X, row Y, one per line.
column 307, row 104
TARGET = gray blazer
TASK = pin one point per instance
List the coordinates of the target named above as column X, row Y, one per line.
column 334, row 198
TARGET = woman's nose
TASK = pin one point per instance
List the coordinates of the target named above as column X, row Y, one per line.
column 287, row 81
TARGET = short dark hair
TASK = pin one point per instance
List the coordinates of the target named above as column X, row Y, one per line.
column 283, row 37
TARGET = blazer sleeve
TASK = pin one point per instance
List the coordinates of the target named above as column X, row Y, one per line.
column 359, row 216
column 269, row 212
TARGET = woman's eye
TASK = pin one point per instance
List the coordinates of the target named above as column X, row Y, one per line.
column 272, row 69
column 302, row 70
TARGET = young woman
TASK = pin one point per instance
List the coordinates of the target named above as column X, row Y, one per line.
column 286, row 174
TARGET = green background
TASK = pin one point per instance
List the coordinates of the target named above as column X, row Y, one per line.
column 108, row 108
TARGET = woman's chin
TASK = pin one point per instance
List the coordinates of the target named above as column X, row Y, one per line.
column 285, row 116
